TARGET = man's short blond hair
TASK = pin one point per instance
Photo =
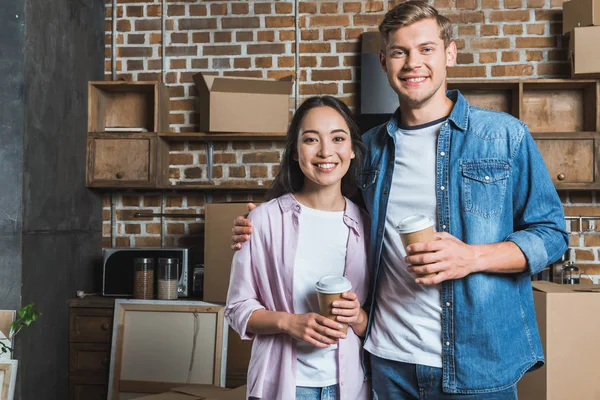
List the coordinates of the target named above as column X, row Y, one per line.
column 412, row 11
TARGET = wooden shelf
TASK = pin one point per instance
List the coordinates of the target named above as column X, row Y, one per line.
column 230, row 185
column 220, row 136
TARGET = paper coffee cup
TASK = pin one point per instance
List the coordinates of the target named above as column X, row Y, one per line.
column 416, row 229
column 329, row 289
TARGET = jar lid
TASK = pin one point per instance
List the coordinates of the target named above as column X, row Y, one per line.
column 168, row 260
column 333, row 284
column 142, row 260
column 414, row 223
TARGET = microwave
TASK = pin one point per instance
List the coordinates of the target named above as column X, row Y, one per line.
column 117, row 268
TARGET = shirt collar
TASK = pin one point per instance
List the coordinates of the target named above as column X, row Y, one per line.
column 288, row 203
column 459, row 115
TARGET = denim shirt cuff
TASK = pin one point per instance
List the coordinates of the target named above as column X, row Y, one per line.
column 533, row 248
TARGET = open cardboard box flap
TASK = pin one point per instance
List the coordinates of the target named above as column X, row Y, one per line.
column 550, row 287
column 232, row 84
column 585, row 64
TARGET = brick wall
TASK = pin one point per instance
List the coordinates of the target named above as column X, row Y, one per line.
column 496, row 39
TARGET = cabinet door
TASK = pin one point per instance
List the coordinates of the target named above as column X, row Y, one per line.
column 88, row 392
column 92, row 325
column 571, row 159
column 121, row 160
column 89, row 362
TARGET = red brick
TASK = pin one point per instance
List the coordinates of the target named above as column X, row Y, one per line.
column 197, row 24
column 347, row 47
column 489, row 30
column 242, row 63
column 535, row 29
column 257, row 158
column 201, row 37
column 239, row 8
column 468, row 4
column 275, row 48
column 240, row 23
column 263, row 62
column 181, row 159
column 126, row 52
column 553, row 69
column 222, row 37
column 512, row 70
column 465, row 17
column 466, row 72
column 237, row 172
column 467, row 30
column 548, row 15
column 534, row 55
column 221, row 63
column 279, row 22
column 513, row 3
column 536, row 3
column 278, row 74
column 218, row 9
column 318, row 89
column 221, row 50
column 441, row 4
column 178, row 63
column 315, row 48
column 193, row 173
column 123, row 242
column 309, row 34
column 133, row 229
column 584, row 255
column 490, row 4
column 328, row 8
column 181, row 51
column 465, row 58
column 152, row 229
column 199, row 63
column 133, row 11
column 245, row 36
column 374, row 6
column 283, row 8
column 352, row 7
column 353, row 33
column 331, row 75
column 307, row 7
column 308, row 61
column 176, row 228
column 198, row 10
column 533, row 42
column 368, row 20
column 135, row 65
column 131, row 201
column 352, row 61
column 511, row 56
column 266, row 36
column 507, row 16
column 330, row 62
column 495, row 43
column 259, row 171
column 175, row 10
column 512, row 29
column 332, row 34
column 287, row 35
column 337, row 20
column 285, row 62
column 148, row 25
column 262, row 8
column 147, row 241
column 179, row 37
column 123, row 25
column 136, row 38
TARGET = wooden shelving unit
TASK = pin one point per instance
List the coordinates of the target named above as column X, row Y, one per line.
column 562, row 115
column 216, row 137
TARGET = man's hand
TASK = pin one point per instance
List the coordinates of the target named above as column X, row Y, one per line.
column 313, row 328
column 447, row 257
column 348, row 310
column 242, row 229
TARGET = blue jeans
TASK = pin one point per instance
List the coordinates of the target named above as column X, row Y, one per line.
column 317, row 393
column 393, row 380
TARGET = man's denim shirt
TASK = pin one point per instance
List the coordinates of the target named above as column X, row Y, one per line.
column 492, row 186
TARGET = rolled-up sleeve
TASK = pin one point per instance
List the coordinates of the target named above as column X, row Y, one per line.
column 539, row 220
column 243, row 297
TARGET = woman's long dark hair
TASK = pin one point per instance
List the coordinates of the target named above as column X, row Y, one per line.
column 290, row 178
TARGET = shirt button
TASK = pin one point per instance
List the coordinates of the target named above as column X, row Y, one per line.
column 442, row 188
column 379, row 230
column 447, row 304
column 487, row 178
column 447, row 343
column 443, row 226
column 385, row 191
column 442, row 154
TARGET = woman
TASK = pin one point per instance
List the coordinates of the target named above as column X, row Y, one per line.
column 308, row 229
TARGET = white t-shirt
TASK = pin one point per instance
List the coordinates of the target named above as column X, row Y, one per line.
column 321, row 251
column 407, row 323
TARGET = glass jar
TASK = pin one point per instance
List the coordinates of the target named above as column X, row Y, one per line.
column 143, row 278
column 570, row 274
column 168, row 275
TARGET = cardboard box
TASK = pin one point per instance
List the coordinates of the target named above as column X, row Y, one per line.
column 580, row 13
column 217, row 269
column 200, row 392
column 246, row 105
column 569, row 323
column 584, row 60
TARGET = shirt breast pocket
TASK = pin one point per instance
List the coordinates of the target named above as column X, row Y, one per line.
column 484, row 186
column 367, row 185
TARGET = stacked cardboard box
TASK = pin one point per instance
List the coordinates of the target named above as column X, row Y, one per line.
column 581, row 20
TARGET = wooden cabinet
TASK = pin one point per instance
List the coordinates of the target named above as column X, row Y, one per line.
column 563, row 116
column 90, row 335
column 123, row 147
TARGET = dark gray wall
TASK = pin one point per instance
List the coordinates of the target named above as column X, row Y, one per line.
column 50, row 224
column 11, row 151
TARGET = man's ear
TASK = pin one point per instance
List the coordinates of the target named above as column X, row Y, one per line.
column 382, row 61
column 451, row 54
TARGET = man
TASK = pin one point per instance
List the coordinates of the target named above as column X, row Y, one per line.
column 469, row 331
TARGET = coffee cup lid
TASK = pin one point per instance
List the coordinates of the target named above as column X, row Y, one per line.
column 414, row 223
column 333, row 284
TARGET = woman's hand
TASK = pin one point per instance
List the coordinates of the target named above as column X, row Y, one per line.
column 313, row 328
column 350, row 312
